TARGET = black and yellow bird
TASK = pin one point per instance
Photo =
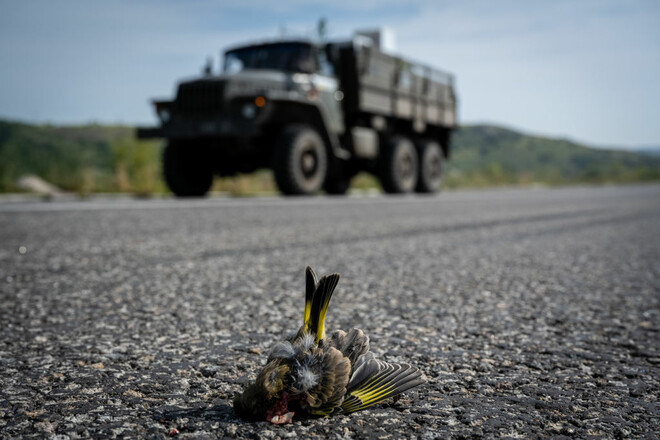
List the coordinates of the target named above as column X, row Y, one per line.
column 318, row 375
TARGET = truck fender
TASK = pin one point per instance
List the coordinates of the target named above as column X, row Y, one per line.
column 314, row 115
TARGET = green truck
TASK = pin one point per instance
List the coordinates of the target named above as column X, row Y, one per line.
column 314, row 113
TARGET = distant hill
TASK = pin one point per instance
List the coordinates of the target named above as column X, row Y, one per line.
column 488, row 155
column 648, row 151
column 95, row 157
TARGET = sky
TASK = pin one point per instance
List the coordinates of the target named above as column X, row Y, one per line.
column 587, row 70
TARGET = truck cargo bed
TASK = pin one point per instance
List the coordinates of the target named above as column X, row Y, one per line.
column 394, row 87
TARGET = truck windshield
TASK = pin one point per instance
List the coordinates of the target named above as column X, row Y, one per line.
column 290, row 57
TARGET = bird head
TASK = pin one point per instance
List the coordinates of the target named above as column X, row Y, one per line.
column 266, row 396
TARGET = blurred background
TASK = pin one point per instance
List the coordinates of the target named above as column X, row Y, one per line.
column 550, row 93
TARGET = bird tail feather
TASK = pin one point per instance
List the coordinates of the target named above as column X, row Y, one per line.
column 317, row 299
column 310, row 287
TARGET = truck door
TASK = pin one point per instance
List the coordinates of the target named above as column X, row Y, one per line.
column 327, row 85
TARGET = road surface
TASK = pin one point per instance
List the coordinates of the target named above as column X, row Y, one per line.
column 530, row 312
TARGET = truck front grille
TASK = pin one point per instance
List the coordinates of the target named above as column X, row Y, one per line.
column 200, row 99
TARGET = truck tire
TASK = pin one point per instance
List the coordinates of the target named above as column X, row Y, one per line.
column 399, row 167
column 430, row 167
column 186, row 169
column 300, row 161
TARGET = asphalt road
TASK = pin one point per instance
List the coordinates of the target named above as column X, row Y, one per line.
column 530, row 312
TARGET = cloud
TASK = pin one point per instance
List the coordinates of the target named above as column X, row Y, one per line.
column 556, row 67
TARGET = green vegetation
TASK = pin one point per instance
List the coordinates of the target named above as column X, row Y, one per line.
column 136, row 166
column 98, row 158
column 73, row 158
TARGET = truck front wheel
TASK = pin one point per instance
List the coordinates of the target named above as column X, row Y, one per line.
column 186, row 169
column 430, row 167
column 300, row 161
column 399, row 167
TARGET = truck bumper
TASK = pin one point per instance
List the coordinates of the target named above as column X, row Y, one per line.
column 197, row 129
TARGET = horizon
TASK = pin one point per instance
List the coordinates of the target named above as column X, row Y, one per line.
column 558, row 70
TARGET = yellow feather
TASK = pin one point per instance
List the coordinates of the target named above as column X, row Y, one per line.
column 368, row 386
column 308, row 312
column 320, row 333
column 370, row 397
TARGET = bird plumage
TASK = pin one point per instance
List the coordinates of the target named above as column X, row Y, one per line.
column 322, row 375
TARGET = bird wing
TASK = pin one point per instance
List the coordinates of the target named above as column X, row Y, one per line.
column 354, row 344
column 373, row 381
column 333, row 374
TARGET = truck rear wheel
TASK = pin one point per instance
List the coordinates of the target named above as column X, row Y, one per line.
column 430, row 167
column 300, row 161
column 186, row 169
column 399, row 167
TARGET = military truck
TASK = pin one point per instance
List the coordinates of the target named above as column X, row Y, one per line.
column 315, row 113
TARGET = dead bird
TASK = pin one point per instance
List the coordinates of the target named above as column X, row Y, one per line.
column 322, row 376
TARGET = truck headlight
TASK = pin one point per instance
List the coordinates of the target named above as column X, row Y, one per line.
column 248, row 111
